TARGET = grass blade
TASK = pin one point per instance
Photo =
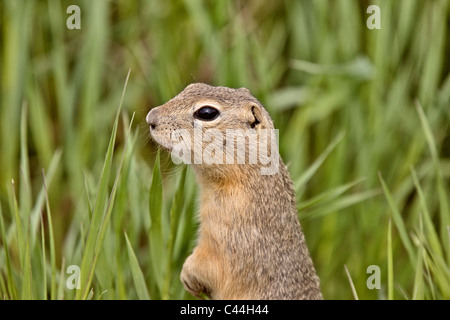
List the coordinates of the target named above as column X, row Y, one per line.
column 398, row 221
column 390, row 260
column 109, row 207
column 38, row 205
column 327, row 195
column 21, row 242
column 307, row 175
column 432, row 236
column 88, row 260
column 25, row 185
column 442, row 194
column 51, row 241
column 12, row 291
column 175, row 211
column 61, row 281
column 26, row 291
column 44, row 262
column 155, row 233
column 340, row 204
column 138, row 277
column 352, row 286
column 418, row 290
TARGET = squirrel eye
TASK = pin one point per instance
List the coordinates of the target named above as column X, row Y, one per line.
column 206, row 113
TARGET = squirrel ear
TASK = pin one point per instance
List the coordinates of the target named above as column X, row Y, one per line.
column 256, row 118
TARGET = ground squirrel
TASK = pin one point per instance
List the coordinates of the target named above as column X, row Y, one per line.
column 250, row 243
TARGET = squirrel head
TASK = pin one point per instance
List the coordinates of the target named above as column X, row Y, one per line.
column 218, row 130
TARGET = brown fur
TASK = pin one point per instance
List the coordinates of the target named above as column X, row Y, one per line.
column 250, row 243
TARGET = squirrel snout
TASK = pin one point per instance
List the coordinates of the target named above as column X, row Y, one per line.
column 152, row 117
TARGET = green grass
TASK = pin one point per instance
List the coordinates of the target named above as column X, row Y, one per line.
column 363, row 117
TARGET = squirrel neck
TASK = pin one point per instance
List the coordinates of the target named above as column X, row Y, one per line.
column 243, row 194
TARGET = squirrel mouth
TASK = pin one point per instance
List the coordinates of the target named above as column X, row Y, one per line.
column 160, row 143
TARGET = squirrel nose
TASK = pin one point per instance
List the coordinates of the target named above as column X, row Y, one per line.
column 152, row 117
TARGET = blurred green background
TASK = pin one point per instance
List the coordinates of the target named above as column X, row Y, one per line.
column 363, row 117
